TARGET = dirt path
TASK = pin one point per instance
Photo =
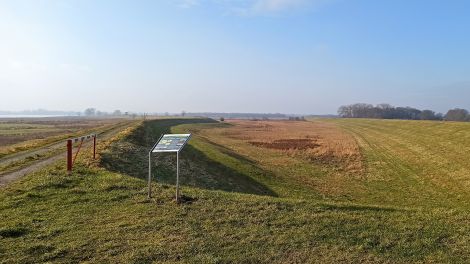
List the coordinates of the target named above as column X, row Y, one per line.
column 12, row 176
column 9, row 177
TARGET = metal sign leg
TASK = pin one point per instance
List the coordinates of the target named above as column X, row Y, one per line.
column 150, row 175
column 177, row 177
column 168, row 143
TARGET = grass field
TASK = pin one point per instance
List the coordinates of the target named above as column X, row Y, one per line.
column 413, row 163
column 351, row 191
column 19, row 134
column 385, row 162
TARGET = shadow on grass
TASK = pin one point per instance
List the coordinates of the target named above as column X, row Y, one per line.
column 197, row 169
column 231, row 153
column 13, row 232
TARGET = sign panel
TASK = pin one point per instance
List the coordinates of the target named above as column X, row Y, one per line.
column 171, row 143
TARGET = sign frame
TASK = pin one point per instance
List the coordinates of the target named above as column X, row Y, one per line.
column 188, row 137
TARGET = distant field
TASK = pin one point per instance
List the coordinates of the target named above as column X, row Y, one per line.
column 15, row 130
column 320, row 191
column 39, row 139
column 18, row 134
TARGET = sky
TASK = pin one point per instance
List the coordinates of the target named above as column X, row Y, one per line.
column 267, row 56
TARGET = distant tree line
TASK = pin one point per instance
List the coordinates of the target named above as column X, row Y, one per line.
column 94, row 112
column 257, row 116
column 297, row 118
column 387, row 111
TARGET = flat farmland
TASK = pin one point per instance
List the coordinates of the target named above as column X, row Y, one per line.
column 416, row 163
column 403, row 163
column 18, row 133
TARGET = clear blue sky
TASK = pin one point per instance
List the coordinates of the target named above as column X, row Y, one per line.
column 289, row 56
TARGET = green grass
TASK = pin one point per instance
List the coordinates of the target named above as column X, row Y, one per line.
column 414, row 163
column 98, row 216
column 102, row 214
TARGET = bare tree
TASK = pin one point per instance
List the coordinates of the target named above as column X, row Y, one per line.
column 457, row 114
column 428, row 115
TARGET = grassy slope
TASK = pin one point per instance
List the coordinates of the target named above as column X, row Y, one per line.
column 202, row 164
column 100, row 216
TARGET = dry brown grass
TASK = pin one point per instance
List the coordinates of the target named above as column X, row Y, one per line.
column 318, row 141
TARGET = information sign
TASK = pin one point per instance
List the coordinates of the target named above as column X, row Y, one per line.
column 171, row 142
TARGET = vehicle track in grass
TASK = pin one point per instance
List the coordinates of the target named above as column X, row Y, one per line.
column 52, row 154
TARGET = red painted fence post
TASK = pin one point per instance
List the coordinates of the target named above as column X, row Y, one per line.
column 69, row 156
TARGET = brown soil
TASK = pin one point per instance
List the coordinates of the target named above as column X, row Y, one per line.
column 286, row 144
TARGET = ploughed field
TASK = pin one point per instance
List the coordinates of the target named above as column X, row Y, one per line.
column 324, row 190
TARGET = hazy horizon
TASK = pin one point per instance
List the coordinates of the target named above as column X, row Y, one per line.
column 250, row 56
